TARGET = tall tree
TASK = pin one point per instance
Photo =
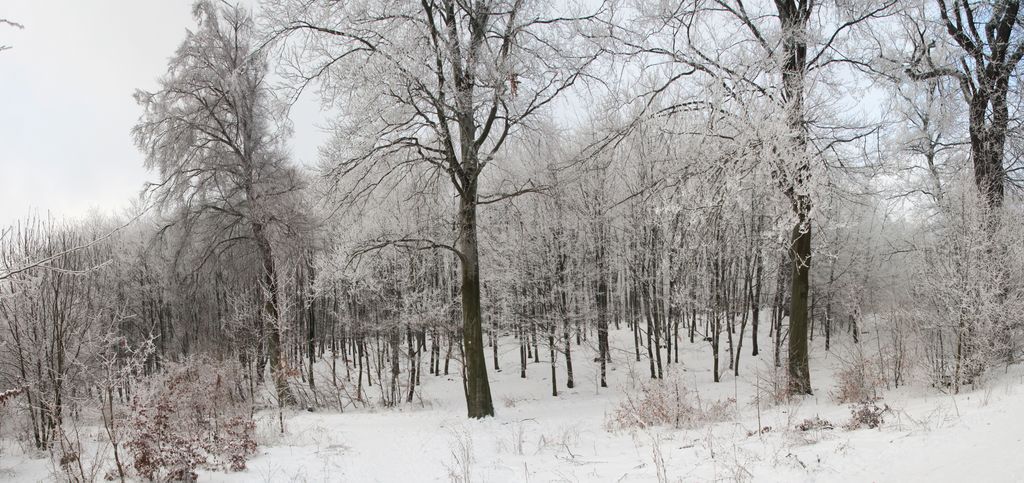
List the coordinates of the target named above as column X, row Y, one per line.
column 210, row 132
column 432, row 90
column 989, row 49
column 788, row 40
column 793, row 17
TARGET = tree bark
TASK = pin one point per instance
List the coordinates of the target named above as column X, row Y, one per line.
column 794, row 16
column 799, row 368
column 272, row 327
column 755, row 299
column 602, row 312
column 478, row 390
column 311, row 324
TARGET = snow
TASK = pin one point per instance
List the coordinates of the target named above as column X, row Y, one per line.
column 927, row 436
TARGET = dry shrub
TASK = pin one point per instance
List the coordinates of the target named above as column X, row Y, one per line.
column 815, row 424
column 866, row 414
column 668, row 403
column 460, row 469
column 192, row 416
column 859, row 380
column 512, row 401
column 762, row 430
column 772, row 385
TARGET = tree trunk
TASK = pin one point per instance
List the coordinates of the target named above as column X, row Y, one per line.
column 272, row 325
column 524, row 345
column 755, row 299
column 494, row 344
column 602, row 311
column 569, row 379
column 311, row 324
column 554, row 368
column 794, row 16
column 799, row 369
column 478, row 390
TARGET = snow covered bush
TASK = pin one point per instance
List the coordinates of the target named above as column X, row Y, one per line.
column 192, row 416
column 667, row 403
column 815, row 424
column 858, row 380
column 963, row 297
column 866, row 414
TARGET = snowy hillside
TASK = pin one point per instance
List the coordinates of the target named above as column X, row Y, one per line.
column 511, row 241
column 926, row 435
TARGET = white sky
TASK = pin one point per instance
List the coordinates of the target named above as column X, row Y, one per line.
column 66, row 107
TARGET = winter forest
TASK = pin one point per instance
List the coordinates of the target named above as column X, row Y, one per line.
column 678, row 240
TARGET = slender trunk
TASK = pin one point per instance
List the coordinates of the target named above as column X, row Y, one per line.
column 634, row 317
column 652, row 309
column 755, row 300
column 778, row 310
column 359, row 370
column 448, row 353
column 828, row 304
column 524, row 345
column 554, row 368
column 311, row 324
column 716, row 318
column 747, row 283
column 413, row 364
column 569, row 381
column 602, row 312
column 645, row 307
column 730, row 316
column 536, row 344
column 494, row 344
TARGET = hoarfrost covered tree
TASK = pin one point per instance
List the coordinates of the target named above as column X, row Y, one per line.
column 973, row 49
column 987, row 48
column 55, row 319
column 433, row 89
column 963, row 256
column 780, row 54
column 669, row 219
column 210, row 132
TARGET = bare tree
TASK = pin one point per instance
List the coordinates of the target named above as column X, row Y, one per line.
column 787, row 41
column 432, row 89
column 989, row 50
column 54, row 320
column 210, row 133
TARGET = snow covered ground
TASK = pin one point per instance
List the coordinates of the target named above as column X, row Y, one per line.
column 927, row 436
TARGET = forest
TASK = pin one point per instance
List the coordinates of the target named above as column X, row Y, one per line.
column 630, row 222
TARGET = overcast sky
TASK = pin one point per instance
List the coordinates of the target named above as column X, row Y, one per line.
column 66, row 107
